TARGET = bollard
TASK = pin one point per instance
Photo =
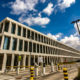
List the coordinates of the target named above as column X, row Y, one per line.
column 43, row 68
column 58, row 67
column 32, row 73
column 65, row 73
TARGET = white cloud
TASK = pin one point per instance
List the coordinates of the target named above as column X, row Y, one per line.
column 56, row 37
column 49, row 9
column 43, row 1
column 41, row 21
column 72, row 40
column 65, row 3
column 22, row 6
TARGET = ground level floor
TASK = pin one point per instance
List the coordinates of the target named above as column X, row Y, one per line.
column 10, row 61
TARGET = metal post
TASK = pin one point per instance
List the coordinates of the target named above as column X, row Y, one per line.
column 32, row 73
column 65, row 73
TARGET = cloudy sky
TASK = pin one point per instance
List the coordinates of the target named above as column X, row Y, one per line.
column 51, row 17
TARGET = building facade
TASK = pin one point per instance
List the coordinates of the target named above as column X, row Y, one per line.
column 17, row 39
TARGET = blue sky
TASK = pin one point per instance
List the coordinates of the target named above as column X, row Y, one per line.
column 51, row 17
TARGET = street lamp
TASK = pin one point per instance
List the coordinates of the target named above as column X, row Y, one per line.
column 76, row 22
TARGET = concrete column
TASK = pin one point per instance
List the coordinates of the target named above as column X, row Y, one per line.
column 4, row 62
column 23, row 46
column 10, row 26
column 21, row 31
column 29, row 60
column 28, row 47
column 24, row 61
column 11, row 44
column 17, row 44
column 47, row 60
column 3, row 27
column 32, row 46
column 16, row 29
column 12, row 62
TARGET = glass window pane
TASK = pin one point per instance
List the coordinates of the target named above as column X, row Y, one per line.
column 14, row 44
column 25, row 45
column 19, row 30
column 30, row 46
column 1, row 27
column 24, row 32
column 6, row 28
column 36, row 36
column 20, row 45
column 13, row 28
column 34, row 47
column 32, row 35
column 6, row 43
column 28, row 34
column 37, row 48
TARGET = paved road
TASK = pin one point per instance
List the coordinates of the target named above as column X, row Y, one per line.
column 59, row 76
column 54, row 76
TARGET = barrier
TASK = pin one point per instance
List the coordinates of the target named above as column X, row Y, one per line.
column 58, row 67
column 32, row 73
column 65, row 73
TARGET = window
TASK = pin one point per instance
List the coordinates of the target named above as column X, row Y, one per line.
column 6, row 43
column 24, row 32
column 19, row 30
column 6, row 28
column 34, row 47
column 39, row 37
column 30, row 46
column 36, row 36
column 44, row 39
column 40, row 48
column 13, row 29
column 25, row 46
column 28, row 34
column 20, row 45
column 14, row 44
column 43, row 49
column 32, row 35
column 0, row 41
column 1, row 27
column 37, row 48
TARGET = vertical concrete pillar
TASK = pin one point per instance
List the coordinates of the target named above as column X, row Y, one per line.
column 21, row 31
column 11, row 44
column 23, row 46
column 29, row 60
column 12, row 62
column 17, row 44
column 16, row 29
column 4, row 62
column 24, row 61
column 47, row 60
column 10, row 27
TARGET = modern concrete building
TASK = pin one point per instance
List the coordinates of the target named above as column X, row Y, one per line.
column 17, row 39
